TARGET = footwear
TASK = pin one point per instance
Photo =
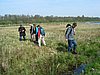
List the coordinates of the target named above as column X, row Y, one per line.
column 71, row 50
column 24, row 40
column 74, row 52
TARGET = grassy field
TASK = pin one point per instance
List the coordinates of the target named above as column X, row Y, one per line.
column 26, row 58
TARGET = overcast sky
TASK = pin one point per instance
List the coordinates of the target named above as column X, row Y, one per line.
column 51, row 7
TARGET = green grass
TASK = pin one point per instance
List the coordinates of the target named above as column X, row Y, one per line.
column 25, row 58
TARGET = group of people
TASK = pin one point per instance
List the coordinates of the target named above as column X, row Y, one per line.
column 37, row 35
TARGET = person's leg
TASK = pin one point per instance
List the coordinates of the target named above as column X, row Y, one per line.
column 69, row 45
column 20, row 37
column 39, row 42
column 24, row 38
column 43, row 41
column 32, row 37
column 74, row 46
column 36, row 38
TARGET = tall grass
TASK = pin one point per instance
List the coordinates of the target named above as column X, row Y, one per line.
column 26, row 58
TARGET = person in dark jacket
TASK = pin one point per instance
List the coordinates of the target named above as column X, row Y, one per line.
column 34, row 32
column 31, row 31
column 22, row 33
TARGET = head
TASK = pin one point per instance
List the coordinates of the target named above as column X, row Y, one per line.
column 74, row 25
column 38, row 26
column 68, row 25
column 20, row 25
column 34, row 25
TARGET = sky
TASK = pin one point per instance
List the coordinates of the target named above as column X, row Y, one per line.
column 89, row 8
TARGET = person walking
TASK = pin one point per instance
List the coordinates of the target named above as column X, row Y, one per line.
column 22, row 33
column 41, row 35
column 69, row 35
column 31, row 31
column 34, row 32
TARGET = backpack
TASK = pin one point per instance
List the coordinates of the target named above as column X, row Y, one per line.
column 42, row 31
column 67, row 30
column 67, row 27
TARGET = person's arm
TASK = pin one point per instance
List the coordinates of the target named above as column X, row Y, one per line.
column 74, row 31
column 24, row 29
column 19, row 29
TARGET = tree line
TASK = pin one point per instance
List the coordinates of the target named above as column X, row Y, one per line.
column 16, row 19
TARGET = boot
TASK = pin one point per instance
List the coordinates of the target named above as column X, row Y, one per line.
column 74, row 52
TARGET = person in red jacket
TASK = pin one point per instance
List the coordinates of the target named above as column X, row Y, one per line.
column 41, row 35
